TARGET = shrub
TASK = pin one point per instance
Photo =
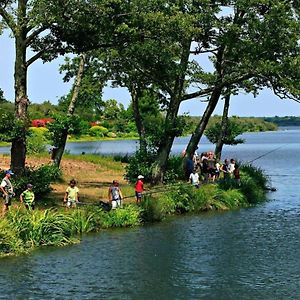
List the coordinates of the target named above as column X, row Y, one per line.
column 40, row 177
column 139, row 163
column 36, row 140
column 256, row 174
column 98, row 131
column 111, row 135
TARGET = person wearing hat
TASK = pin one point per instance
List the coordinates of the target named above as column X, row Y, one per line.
column 115, row 195
column 7, row 189
column 139, row 188
column 27, row 197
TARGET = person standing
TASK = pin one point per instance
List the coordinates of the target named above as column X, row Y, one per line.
column 7, row 189
column 231, row 167
column 72, row 194
column 27, row 197
column 225, row 169
column 115, row 195
column 194, row 179
column 139, row 188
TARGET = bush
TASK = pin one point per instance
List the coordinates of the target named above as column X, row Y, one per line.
column 36, row 140
column 40, row 177
column 111, row 135
column 139, row 163
column 98, row 131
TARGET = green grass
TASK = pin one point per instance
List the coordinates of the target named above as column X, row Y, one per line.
column 22, row 230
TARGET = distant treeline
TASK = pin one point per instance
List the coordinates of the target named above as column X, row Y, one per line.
column 284, row 121
column 248, row 124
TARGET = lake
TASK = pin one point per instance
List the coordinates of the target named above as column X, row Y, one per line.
column 249, row 253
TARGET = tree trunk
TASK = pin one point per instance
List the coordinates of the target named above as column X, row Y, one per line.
column 224, row 125
column 71, row 109
column 195, row 138
column 170, row 131
column 135, row 96
column 18, row 147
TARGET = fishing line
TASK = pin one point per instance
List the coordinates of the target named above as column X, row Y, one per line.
column 265, row 154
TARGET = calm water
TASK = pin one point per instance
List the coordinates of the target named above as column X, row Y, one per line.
column 245, row 254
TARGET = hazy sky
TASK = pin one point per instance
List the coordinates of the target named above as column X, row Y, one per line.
column 45, row 83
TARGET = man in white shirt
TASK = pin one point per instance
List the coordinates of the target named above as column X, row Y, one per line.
column 7, row 189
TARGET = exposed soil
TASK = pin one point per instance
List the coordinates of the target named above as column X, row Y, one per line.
column 93, row 179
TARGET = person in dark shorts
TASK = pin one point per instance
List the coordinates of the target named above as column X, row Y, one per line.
column 139, row 188
column 7, row 189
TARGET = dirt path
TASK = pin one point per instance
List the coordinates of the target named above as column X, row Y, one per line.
column 93, row 179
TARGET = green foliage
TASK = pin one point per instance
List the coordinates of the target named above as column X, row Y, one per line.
column 284, row 121
column 233, row 129
column 139, row 163
column 156, row 209
column 253, row 183
column 10, row 127
column 98, row 131
column 40, row 177
column 257, row 174
column 42, row 110
column 36, row 140
column 231, row 198
column 124, row 217
column 65, row 124
column 22, row 230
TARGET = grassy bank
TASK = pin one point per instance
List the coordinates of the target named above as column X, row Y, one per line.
column 22, row 231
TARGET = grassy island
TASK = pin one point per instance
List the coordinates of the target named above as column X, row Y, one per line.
column 52, row 224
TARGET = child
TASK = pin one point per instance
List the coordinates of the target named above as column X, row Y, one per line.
column 236, row 174
column 72, row 194
column 27, row 197
column 115, row 195
column 139, row 188
column 194, row 179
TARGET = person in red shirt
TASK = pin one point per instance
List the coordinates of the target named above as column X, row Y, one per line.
column 139, row 188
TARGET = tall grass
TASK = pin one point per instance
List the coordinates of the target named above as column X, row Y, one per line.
column 22, row 230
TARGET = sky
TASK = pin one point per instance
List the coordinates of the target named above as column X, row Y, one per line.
column 45, row 83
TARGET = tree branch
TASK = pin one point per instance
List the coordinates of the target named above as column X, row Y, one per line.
column 35, row 57
column 34, row 34
column 9, row 20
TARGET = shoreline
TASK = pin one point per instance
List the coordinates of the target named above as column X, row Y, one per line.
column 20, row 229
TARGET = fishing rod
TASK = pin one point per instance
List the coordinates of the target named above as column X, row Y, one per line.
column 151, row 192
column 265, row 154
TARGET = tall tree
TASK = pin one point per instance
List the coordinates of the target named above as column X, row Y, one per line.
column 258, row 44
column 21, row 18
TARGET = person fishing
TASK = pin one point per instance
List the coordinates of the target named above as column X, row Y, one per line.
column 28, row 197
column 115, row 195
column 7, row 189
column 72, row 194
column 139, row 188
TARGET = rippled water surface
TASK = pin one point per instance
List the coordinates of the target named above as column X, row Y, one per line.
column 246, row 254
